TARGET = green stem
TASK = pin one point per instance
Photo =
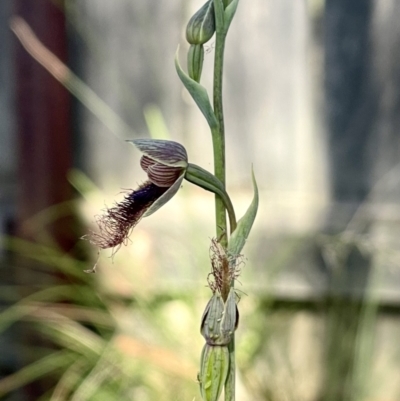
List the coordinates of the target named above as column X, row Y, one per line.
column 230, row 380
column 218, row 135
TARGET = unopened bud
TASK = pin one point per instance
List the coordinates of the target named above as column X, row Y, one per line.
column 195, row 59
column 213, row 371
column 201, row 26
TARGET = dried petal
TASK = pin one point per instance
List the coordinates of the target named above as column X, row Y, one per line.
column 224, row 269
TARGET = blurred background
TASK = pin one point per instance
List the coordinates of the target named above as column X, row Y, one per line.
column 312, row 101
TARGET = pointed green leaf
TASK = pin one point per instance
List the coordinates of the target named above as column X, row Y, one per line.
column 219, row 16
column 198, row 93
column 230, row 11
column 239, row 236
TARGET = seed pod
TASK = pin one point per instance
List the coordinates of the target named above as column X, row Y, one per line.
column 213, row 371
column 211, row 320
column 230, row 318
column 195, row 59
column 201, row 26
column 220, row 319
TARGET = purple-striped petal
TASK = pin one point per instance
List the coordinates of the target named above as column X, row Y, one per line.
column 146, row 162
column 169, row 153
column 163, row 176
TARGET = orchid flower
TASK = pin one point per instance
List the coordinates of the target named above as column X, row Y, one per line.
column 166, row 165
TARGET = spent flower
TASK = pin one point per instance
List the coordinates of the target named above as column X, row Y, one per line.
column 220, row 319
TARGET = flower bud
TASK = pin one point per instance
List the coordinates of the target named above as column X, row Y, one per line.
column 213, row 371
column 201, row 26
column 195, row 59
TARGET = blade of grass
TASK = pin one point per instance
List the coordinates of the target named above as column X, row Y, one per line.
column 35, row 370
column 68, row 79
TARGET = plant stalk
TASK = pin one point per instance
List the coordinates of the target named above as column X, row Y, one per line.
column 218, row 137
column 218, row 134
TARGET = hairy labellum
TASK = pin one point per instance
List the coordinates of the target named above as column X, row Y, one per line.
column 116, row 224
column 165, row 163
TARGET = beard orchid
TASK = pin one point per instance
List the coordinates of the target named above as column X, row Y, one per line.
column 165, row 163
